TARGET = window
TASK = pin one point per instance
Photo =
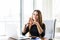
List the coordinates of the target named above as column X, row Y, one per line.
column 9, row 17
column 56, row 15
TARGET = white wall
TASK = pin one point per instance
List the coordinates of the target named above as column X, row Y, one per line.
column 38, row 4
column 56, row 11
column 9, row 17
column 47, row 9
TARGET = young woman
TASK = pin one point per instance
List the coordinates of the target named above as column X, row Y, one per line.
column 35, row 26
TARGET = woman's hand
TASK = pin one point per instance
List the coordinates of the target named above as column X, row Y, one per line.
column 30, row 21
column 40, row 30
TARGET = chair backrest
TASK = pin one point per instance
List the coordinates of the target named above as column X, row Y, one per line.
column 50, row 28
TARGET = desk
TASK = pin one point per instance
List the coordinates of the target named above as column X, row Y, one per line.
column 20, row 38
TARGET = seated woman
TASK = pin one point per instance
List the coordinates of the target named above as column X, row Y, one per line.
column 35, row 26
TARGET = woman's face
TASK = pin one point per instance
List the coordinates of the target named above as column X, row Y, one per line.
column 35, row 15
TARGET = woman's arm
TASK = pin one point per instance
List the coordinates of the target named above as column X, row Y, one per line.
column 27, row 26
column 43, row 33
column 40, row 30
column 25, row 29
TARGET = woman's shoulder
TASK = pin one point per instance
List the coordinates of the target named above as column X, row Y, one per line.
column 43, row 25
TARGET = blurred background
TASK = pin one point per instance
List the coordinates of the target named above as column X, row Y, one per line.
column 15, row 13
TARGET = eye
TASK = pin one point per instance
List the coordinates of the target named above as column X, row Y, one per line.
column 33, row 14
column 36, row 14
